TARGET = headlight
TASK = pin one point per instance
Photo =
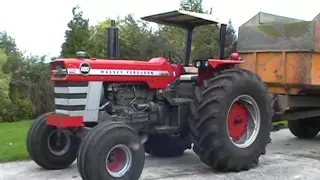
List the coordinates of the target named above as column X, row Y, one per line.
column 202, row 64
column 58, row 70
column 198, row 64
column 206, row 63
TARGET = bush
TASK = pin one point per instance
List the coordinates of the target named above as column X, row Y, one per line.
column 8, row 113
column 16, row 108
column 25, row 108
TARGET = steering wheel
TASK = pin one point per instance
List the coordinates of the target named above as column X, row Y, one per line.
column 173, row 57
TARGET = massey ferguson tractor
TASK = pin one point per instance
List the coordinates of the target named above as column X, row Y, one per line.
column 109, row 113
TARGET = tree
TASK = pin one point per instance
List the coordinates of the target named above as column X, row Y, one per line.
column 231, row 38
column 13, row 80
column 205, row 42
column 97, row 43
column 191, row 5
column 172, row 39
column 5, row 101
column 77, row 36
column 134, row 40
column 19, row 74
column 14, row 56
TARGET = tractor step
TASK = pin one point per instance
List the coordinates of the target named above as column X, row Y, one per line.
column 163, row 129
column 181, row 101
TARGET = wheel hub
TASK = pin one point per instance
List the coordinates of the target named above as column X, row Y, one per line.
column 243, row 121
column 118, row 161
column 238, row 121
column 58, row 142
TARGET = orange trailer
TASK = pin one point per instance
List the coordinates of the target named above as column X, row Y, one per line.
column 285, row 53
column 286, row 72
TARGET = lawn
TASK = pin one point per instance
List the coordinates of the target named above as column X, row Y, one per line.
column 13, row 141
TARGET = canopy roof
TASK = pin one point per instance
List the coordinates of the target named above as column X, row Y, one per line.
column 182, row 19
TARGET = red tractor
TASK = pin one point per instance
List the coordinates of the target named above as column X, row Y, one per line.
column 109, row 113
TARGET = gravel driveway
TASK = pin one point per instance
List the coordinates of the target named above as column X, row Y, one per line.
column 287, row 158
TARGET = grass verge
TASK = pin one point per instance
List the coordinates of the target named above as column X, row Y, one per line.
column 285, row 123
column 13, row 141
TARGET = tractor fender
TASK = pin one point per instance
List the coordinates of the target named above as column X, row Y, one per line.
column 215, row 63
column 235, row 59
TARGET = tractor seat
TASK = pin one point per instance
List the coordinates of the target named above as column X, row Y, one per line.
column 188, row 77
column 190, row 74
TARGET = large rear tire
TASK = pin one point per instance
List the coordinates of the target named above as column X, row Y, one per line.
column 165, row 145
column 304, row 128
column 113, row 151
column 233, row 105
column 50, row 147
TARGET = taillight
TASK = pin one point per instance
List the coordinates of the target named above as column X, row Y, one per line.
column 235, row 56
column 58, row 69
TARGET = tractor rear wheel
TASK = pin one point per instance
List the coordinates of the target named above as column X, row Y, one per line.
column 304, row 128
column 50, row 147
column 231, row 120
column 113, row 151
column 165, row 145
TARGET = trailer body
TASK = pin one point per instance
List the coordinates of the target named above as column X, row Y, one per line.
column 285, row 53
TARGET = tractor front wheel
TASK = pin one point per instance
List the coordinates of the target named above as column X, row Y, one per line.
column 231, row 120
column 113, row 151
column 50, row 147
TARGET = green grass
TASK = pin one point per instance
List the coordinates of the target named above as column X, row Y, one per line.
column 282, row 122
column 13, row 141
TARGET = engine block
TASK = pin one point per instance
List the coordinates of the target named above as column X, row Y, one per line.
column 132, row 102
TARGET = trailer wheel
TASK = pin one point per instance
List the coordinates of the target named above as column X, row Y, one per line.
column 164, row 145
column 111, row 150
column 50, row 147
column 303, row 128
column 231, row 120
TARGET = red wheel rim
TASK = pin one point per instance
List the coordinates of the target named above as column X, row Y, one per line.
column 243, row 121
column 238, row 121
column 118, row 161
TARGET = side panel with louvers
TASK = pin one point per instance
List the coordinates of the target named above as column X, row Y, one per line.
column 78, row 99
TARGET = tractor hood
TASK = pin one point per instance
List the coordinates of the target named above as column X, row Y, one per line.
column 83, row 69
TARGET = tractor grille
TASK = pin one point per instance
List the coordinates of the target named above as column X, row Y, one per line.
column 70, row 98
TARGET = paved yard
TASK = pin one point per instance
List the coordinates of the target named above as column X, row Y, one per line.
column 287, row 159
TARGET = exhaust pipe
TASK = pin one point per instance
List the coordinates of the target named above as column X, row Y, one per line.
column 113, row 41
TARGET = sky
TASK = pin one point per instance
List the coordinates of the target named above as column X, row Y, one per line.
column 38, row 26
